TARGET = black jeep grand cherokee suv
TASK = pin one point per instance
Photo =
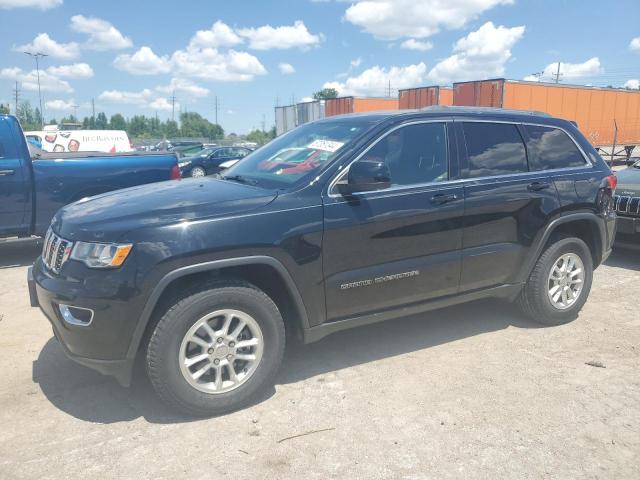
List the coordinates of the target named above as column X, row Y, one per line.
column 339, row 223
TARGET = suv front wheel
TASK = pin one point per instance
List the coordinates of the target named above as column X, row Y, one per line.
column 559, row 284
column 216, row 348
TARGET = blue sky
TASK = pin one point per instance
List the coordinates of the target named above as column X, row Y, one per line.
column 131, row 56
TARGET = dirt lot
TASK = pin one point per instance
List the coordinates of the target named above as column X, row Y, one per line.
column 468, row 392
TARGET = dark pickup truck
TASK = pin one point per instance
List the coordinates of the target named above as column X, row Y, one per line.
column 33, row 186
column 339, row 223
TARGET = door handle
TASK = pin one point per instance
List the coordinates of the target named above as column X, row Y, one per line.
column 537, row 186
column 442, row 198
column 4, row 173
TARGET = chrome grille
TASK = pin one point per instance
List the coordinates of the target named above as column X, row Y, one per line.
column 56, row 251
column 627, row 205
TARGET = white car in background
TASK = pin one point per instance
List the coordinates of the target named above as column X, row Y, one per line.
column 107, row 141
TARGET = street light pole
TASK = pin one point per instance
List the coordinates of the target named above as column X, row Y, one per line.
column 38, row 56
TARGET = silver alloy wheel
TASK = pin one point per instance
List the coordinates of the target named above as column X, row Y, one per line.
column 221, row 351
column 566, row 280
column 198, row 172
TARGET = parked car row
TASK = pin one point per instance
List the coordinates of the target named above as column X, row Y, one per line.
column 209, row 161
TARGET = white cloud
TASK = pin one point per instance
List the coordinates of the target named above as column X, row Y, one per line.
column 41, row 4
column 211, row 64
column 569, row 71
column 59, row 104
column 413, row 44
column 355, row 63
column 76, row 70
column 43, row 43
column 282, row 38
column 185, row 87
column 393, row 19
column 375, row 80
column 635, row 44
column 481, row 54
column 219, row 35
column 142, row 62
column 286, row 68
column 102, row 34
column 29, row 80
column 161, row 103
column 127, row 98
column 633, row 83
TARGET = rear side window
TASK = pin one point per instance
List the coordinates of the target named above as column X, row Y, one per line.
column 551, row 148
column 493, row 149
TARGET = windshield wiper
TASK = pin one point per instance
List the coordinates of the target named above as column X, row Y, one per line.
column 239, row 179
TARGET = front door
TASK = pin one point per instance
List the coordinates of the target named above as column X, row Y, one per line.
column 401, row 245
column 14, row 189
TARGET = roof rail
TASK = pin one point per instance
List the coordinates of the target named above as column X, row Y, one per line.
column 489, row 110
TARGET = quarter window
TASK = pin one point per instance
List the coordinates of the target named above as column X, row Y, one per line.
column 414, row 154
column 493, row 149
column 551, row 148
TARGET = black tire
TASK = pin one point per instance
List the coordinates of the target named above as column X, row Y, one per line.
column 162, row 359
column 534, row 299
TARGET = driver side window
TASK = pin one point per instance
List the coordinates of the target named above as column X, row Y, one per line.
column 414, row 154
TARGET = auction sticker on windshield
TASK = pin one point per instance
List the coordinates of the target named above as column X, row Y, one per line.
column 326, row 145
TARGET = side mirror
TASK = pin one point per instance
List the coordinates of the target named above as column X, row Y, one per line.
column 366, row 176
column 631, row 161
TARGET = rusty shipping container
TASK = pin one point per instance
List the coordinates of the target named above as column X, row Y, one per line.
column 596, row 110
column 342, row 105
column 425, row 97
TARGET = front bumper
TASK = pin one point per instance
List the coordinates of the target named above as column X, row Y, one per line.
column 100, row 345
column 628, row 232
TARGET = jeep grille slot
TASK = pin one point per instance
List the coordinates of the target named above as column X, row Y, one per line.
column 626, row 205
column 56, row 251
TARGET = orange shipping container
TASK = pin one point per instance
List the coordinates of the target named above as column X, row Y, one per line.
column 342, row 105
column 596, row 110
column 425, row 97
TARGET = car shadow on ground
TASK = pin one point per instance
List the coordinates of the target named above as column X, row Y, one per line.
column 19, row 253
column 624, row 258
column 89, row 396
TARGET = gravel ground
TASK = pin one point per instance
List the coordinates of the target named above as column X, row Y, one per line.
column 472, row 391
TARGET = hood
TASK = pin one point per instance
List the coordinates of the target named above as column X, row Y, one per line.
column 628, row 182
column 108, row 216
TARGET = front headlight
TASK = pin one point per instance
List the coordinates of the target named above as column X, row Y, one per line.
column 184, row 164
column 101, row 255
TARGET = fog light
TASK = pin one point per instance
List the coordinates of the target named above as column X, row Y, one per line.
column 76, row 315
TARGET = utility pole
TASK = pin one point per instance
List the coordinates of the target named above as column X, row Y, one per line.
column 173, row 106
column 16, row 92
column 75, row 111
column 216, row 107
column 389, row 87
column 263, row 122
column 558, row 73
column 38, row 56
column 93, row 111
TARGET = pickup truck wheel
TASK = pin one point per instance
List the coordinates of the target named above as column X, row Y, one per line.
column 198, row 172
column 216, row 348
column 559, row 284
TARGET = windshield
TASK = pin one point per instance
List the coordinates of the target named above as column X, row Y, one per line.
column 300, row 154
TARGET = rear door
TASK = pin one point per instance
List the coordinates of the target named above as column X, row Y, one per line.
column 401, row 245
column 506, row 204
column 15, row 191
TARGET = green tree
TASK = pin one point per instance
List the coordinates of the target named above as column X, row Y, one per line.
column 25, row 116
column 170, row 129
column 4, row 109
column 137, row 126
column 117, row 122
column 194, row 125
column 37, row 118
column 325, row 93
column 260, row 136
column 101, row 121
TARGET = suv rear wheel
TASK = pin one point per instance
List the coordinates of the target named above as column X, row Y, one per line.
column 216, row 348
column 559, row 284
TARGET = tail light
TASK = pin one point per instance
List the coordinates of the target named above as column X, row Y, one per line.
column 175, row 173
column 613, row 182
